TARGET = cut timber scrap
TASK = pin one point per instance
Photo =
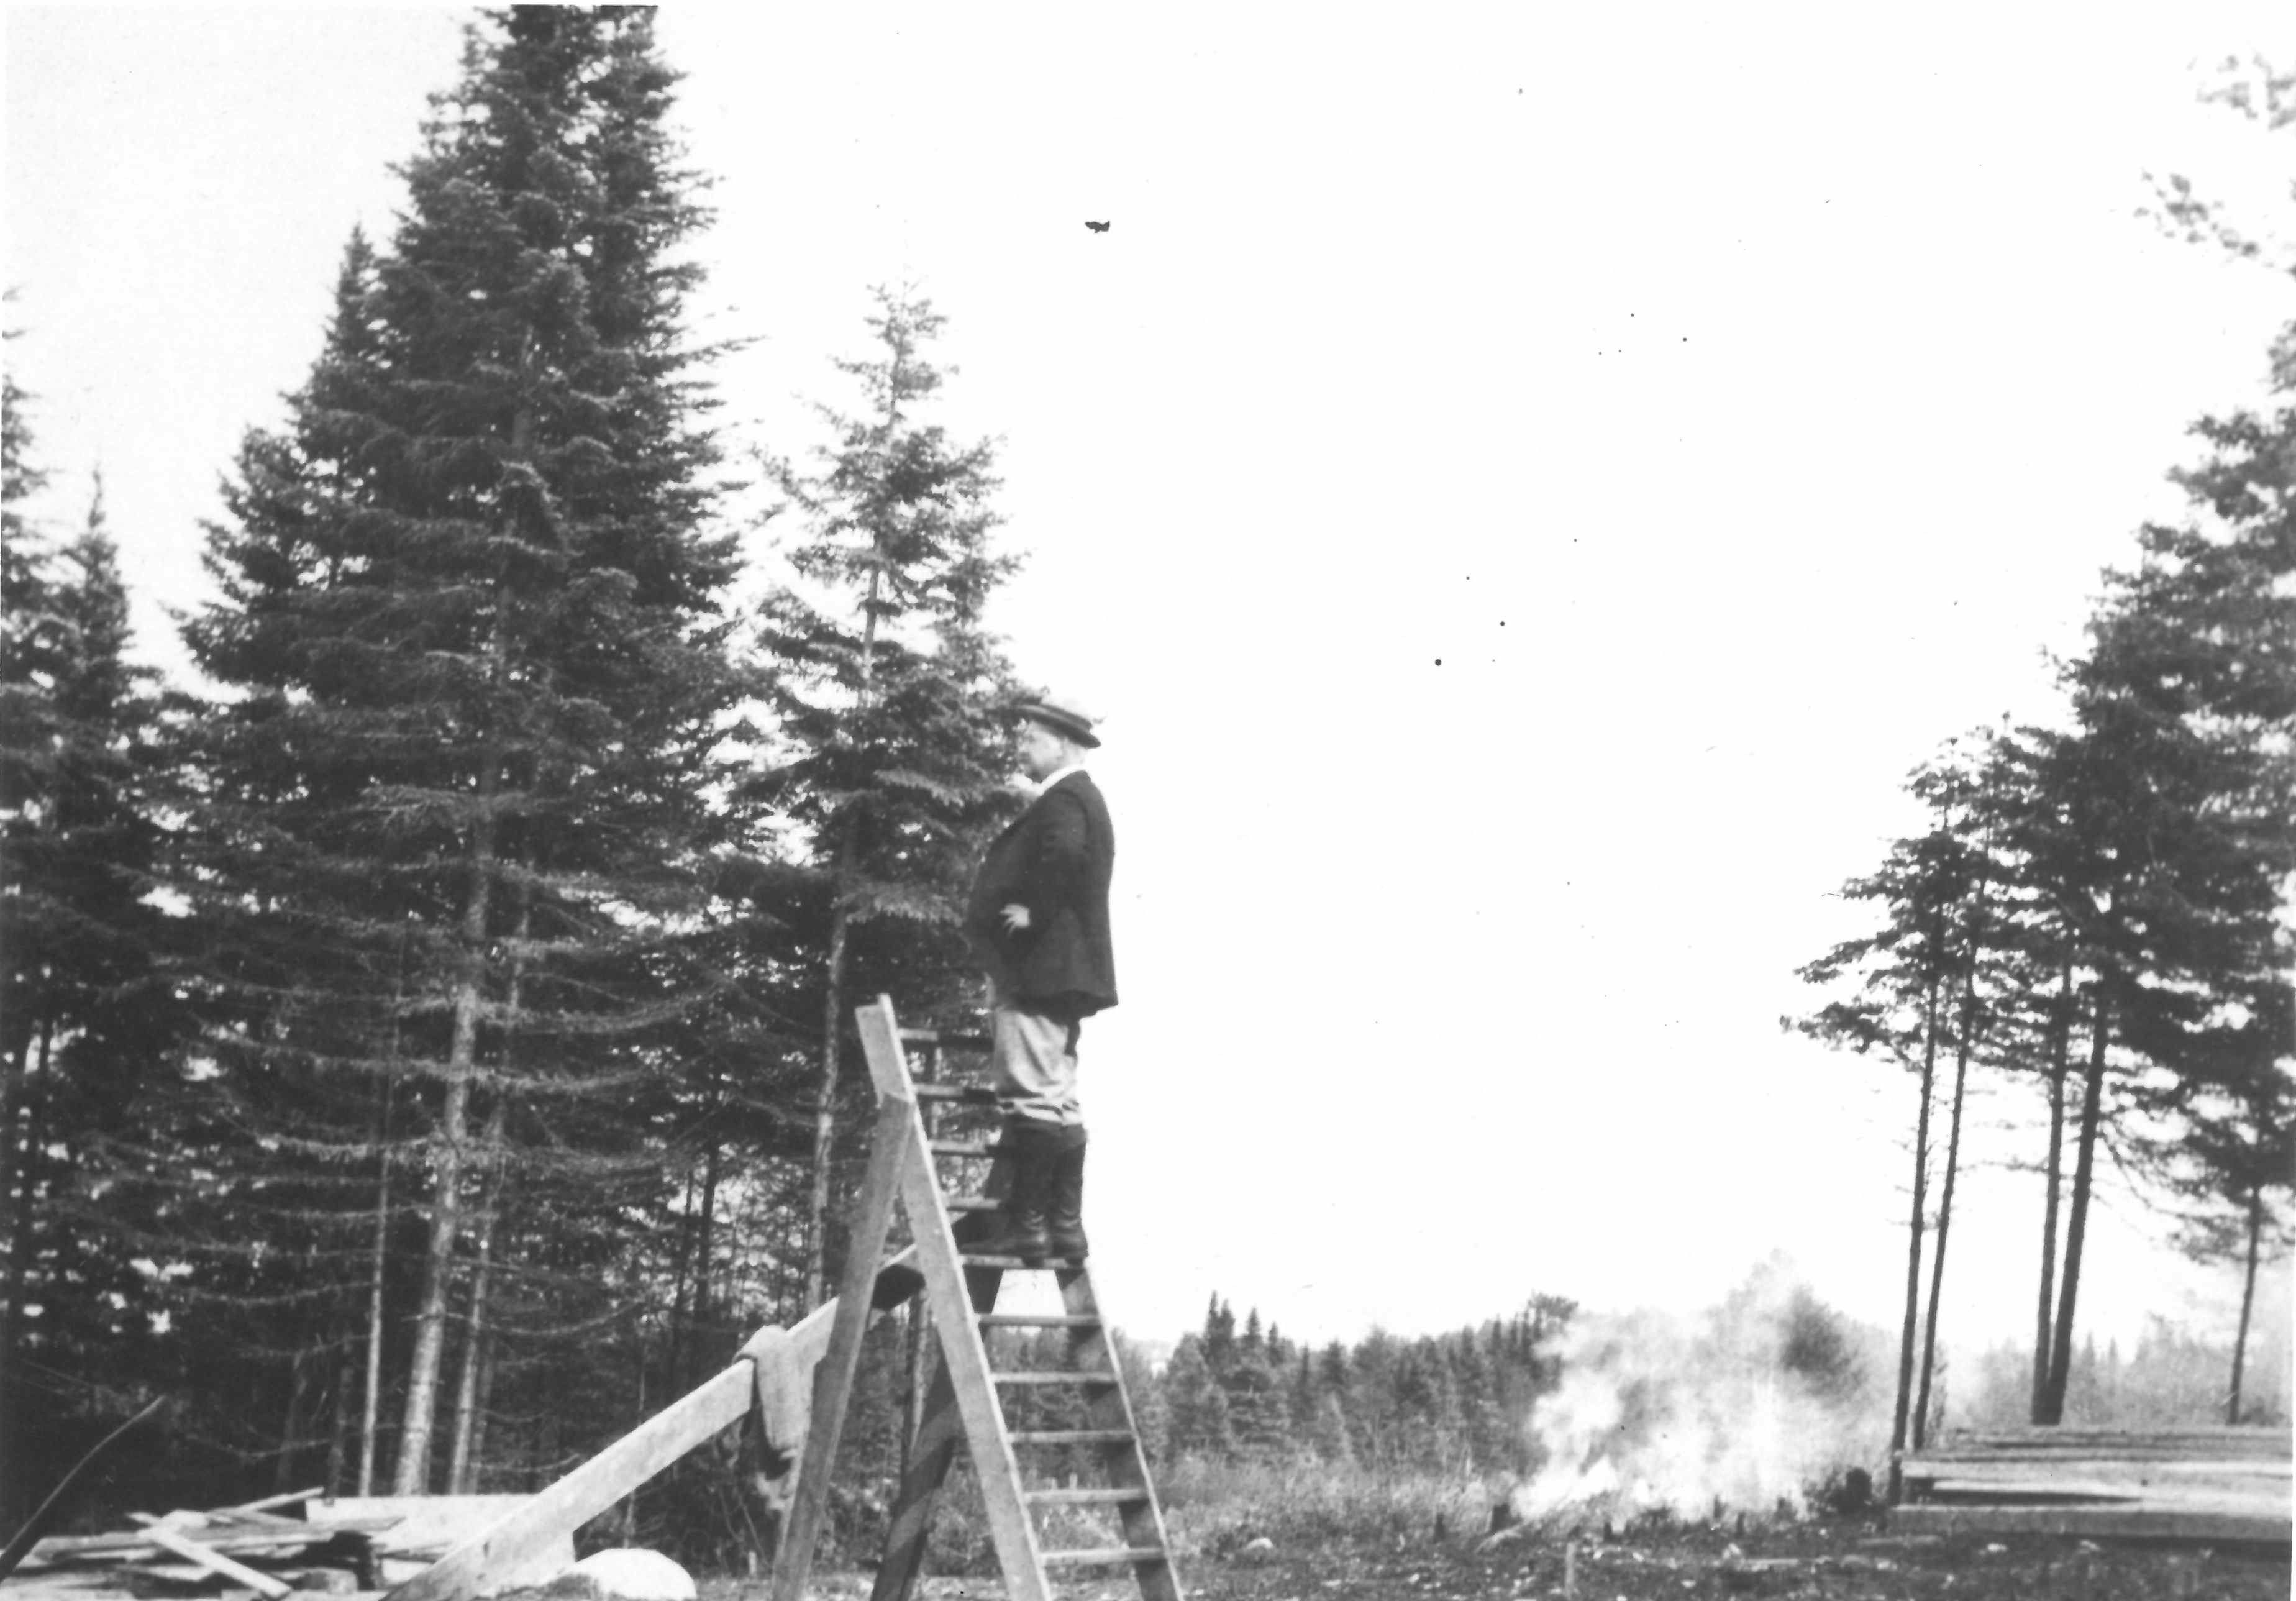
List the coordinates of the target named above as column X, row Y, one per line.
column 216, row 1562
column 487, row 1561
column 2211, row 1483
column 2260, row 1524
column 64, row 1547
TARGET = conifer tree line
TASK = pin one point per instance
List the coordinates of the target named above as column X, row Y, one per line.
column 422, row 1036
column 2095, row 917
column 1453, row 1405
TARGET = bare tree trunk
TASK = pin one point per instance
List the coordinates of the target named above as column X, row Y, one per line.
column 681, row 1265
column 459, row 1462
column 1914, row 1244
column 2061, row 1034
column 832, row 1028
column 371, row 1413
column 1937, row 1253
column 291, row 1430
column 1963, row 1043
column 15, row 1212
column 339, row 1431
column 2247, row 1303
column 478, row 1413
column 414, row 1467
column 2061, row 1353
column 705, row 1253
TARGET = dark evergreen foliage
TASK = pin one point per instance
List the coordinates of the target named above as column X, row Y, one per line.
column 892, row 760
column 460, row 810
column 88, row 1011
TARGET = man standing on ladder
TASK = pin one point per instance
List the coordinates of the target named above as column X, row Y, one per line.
column 1037, row 918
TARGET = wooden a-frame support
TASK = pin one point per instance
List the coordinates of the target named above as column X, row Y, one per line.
column 826, row 1344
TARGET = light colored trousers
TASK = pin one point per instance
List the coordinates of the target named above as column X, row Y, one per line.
column 1034, row 1058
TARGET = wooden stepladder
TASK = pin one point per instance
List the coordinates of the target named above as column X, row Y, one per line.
column 961, row 1405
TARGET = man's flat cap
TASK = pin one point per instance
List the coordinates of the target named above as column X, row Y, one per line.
column 1062, row 715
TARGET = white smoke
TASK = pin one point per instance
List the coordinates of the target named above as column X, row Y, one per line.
column 1749, row 1404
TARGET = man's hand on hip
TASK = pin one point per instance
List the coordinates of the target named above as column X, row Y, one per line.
column 1016, row 918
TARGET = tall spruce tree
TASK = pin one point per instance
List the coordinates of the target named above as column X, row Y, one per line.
column 87, row 1012
column 896, row 761
column 461, row 802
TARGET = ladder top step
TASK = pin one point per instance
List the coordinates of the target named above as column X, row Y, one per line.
column 1101, row 1497
column 1107, row 1556
column 1037, row 1321
column 1049, row 1264
column 1058, row 1376
column 1073, row 1437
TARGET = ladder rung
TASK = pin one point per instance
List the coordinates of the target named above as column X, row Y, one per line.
column 1050, row 1262
column 962, row 1040
column 979, row 1095
column 1084, row 1497
column 971, row 1202
column 1108, row 1556
column 962, row 1148
column 1066, row 1376
column 1037, row 1321
column 1073, row 1437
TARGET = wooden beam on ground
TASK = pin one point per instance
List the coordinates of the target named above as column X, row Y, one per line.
column 2214, row 1444
column 2263, row 1526
column 718, row 1403
column 2263, row 1476
column 216, row 1562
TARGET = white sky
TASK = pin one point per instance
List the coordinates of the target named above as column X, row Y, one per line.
column 1522, row 488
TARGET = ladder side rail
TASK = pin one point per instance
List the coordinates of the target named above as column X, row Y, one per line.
column 891, row 1147
column 1109, row 1405
column 963, row 1354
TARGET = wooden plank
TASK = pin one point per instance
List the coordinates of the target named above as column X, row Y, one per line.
column 471, row 1568
column 216, row 1562
column 890, row 1150
column 2265, row 1476
column 285, row 1498
column 66, row 1547
column 2268, row 1527
column 2132, row 1459
column 2034, row 1491
column 2243, row 1444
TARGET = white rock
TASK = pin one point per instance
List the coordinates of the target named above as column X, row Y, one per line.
column 627, row 1574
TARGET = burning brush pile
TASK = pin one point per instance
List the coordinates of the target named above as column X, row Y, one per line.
column 1753, row 1406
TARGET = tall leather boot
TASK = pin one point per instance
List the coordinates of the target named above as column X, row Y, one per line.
column 1022, row 1227
column 1066, row 1204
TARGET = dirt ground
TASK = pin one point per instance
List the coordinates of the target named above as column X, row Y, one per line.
column 1842, row 1563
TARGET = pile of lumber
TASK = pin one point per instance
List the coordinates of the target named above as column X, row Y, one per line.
column 2219, row 1485
column 263, row 1545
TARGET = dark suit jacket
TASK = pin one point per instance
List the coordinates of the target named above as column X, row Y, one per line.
column 1055, row 860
